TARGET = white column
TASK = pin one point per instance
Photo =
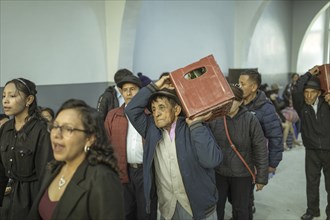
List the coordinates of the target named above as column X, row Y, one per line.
column 114, row 12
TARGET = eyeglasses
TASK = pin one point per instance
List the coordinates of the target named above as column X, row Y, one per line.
column 66, row 130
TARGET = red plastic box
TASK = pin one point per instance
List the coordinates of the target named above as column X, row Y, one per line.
column 202, row 88
column 325, row 78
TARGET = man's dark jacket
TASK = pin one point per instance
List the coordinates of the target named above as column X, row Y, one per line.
column 270, row 122
column 315, row 128
column 107, row 101
column 197, row 152
column 247, row 135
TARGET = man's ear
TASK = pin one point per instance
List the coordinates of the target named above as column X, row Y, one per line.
column 319, row 93
column 177, row 109
column 254, row 87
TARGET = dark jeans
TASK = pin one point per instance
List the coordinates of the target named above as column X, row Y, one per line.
column 238, row 188
column 251, row 201
column 315, row 161
column 135, row 203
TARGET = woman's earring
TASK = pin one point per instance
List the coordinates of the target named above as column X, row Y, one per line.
column 86, row 148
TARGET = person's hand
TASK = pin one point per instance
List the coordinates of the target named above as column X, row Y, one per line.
column 8, row 190
column 259, row 186
column 314, row 71
column 271, row 170
column 327, row 98
column 164, row 82
column 273, row 96
column 200, row 118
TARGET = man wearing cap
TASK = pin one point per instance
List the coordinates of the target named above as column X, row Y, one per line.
column 180, row 154
column 128, row 147
column 314, row 113
column 112, row 98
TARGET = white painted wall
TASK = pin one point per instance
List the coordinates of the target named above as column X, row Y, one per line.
column 128, row 34
column 53, row 42
column 114, row 12
column 64, row 42
column 270, row 42
column 246, row 18
column 173, row 34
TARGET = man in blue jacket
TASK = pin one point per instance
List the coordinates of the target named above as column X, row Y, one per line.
column 314, row 112
column 180, row 154
column 256, row 102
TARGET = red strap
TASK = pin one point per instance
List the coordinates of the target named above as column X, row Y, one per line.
column 236, row 151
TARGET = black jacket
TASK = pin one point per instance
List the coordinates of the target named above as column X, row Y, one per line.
column 247, row 135
column 24, row 155
column 287, row 96
column 94, row 192
column 315, row 128
column 107, row 101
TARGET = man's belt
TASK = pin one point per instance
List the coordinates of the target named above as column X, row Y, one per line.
column 135, row 165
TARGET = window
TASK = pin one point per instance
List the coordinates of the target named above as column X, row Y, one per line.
column 315, row 48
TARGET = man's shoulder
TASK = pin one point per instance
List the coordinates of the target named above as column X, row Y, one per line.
column 110, row 89
column 119, row 111
column 268, row 105
column 264, row 111
column 262, row 107
column 109, row 92
column 267, row 110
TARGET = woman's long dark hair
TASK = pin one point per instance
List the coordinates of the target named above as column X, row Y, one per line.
column 27, row 87
column 100, row 152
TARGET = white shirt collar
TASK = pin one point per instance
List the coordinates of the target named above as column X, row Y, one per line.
column 119, row 96
column 315, row 105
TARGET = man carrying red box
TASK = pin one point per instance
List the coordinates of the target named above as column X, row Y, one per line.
column 314, row 112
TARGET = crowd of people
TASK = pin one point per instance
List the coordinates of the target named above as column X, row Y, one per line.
column 136, row 154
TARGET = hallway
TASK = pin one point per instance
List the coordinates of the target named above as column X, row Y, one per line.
column 285, row 196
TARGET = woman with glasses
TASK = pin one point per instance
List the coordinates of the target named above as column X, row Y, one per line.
column 82, row 182
column 233, row 178
column 25, row 149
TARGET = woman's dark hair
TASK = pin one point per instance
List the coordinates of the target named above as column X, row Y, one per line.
column 294, row 74
column 49, row 110
column 27, row 87
column 100, row 152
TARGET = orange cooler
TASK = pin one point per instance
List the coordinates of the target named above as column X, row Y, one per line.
column 325, row 78
column 202, row 88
